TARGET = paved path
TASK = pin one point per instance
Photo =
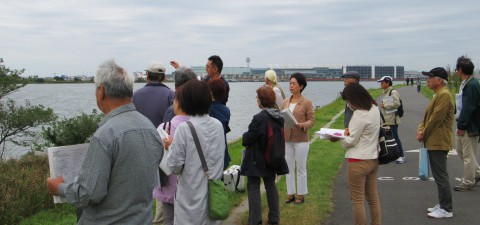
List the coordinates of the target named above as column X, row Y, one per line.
column 404, row 198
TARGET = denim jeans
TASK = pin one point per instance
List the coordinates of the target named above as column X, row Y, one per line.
column 395, row 135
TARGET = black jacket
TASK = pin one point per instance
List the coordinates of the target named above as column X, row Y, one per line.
column 255, row 140
column 469, row 118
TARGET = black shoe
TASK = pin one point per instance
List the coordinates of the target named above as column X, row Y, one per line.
column 477, row 179
column 290, row 200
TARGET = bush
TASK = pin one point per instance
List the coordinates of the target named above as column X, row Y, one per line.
column 70, row 131
column 23, row 188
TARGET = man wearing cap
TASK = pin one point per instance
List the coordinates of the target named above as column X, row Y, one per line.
column 468, row 124
column 436, row 132
column 388, row 109
column 154, row 98
column 348, row 78
column 152, row 101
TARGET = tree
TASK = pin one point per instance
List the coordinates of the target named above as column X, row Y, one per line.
column 17, row 121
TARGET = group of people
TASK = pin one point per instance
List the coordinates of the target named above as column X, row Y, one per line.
column 362, row 123
column 120, row 175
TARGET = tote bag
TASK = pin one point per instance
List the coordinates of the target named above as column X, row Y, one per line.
column 423, row 163
column 218, row 205
column 389, row 150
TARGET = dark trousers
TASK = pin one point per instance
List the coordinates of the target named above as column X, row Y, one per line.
column 255, row 201
column 397, row 139
column 168, row 213
column 438, row 164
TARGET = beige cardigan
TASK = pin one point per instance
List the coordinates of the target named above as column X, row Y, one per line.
column 303, row 112
column 364, row 127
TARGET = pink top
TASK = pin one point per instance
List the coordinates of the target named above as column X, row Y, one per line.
column 167, row 192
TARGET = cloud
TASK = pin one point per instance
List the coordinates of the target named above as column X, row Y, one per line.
column 74, row 37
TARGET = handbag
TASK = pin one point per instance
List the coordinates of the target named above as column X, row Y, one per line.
column 218, row 205
column 423, row 163
column 389, row 150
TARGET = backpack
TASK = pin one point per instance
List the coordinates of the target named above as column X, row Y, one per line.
column 275, row 149
column 399, row 111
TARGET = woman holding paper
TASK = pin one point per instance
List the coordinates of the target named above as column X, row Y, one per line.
column 296, row 138
column 166, row 192
column 362, row 153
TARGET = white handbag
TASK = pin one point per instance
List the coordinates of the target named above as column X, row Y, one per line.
column 233, row 180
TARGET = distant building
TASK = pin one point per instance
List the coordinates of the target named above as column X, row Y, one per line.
column 376, row 72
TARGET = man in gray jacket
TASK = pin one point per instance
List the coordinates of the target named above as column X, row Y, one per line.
column 119, row 172
column 468, row 121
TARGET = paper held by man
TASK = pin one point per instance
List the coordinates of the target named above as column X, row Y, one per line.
column 66, row 161
column 388, row 100
column 290, row 120
column 326, row 133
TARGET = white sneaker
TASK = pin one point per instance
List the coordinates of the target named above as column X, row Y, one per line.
column 440, row 213
column 401, row 160
column 437, row 206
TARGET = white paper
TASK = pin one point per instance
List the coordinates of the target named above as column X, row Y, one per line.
column 163, row 163
column 162, row 132
column 388, row 100
column 326, row 133
column 66, row 161
column 290, row 120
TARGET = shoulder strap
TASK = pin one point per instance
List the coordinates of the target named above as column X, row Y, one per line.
column 381, row 115
column 390, row 92
column 199, row 147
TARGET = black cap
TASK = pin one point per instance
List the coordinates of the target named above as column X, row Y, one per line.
column 351, row 74
column 437, row 72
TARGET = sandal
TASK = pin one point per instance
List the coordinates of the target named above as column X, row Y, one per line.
column 299, row 200
column 290, row 199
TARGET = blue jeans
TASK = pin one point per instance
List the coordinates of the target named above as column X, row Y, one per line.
column 395, row 135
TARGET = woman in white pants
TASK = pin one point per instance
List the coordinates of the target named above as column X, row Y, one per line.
column 296, row 139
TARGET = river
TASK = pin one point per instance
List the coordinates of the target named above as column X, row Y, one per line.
column 68, row 100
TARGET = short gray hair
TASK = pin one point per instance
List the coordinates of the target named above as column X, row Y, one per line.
column 116, row 80
column 444, row 82
column 183, row 74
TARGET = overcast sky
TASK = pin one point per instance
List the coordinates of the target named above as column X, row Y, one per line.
column 73, row 37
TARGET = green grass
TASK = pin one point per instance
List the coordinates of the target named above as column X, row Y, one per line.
column 324, row 160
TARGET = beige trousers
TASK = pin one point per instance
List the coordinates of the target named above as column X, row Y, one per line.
column 158, row 219
column 467, row 150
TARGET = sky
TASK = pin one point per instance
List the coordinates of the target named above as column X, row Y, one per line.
column 71, row 37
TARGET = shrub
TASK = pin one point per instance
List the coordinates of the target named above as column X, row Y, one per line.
column 23, row 188
column 70, row 131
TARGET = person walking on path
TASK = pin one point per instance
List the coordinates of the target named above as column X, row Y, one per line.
column 296, row 138
column 436, row 132
column 468, row 124
column 419, row 85
column 389, row 110
column 254, row 165
column 348, row 78
column 362, row 154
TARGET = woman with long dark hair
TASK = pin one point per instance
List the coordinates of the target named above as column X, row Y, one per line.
column 362, row 153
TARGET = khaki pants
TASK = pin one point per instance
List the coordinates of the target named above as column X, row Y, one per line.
column 362, row 182
column 467, row 150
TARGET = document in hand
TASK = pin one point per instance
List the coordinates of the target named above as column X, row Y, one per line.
column 290, row 120
column 66, row 161
column 388, row 100
column 163, row 163
column 326, row 133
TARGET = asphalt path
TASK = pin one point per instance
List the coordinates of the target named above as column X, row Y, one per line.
column 404, row 198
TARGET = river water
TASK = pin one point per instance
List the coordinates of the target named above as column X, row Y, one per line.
column 68, row 100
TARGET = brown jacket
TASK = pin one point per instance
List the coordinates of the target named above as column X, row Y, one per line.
column 437, row 124
column 303, row 112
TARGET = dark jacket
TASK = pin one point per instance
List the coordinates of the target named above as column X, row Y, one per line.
column 469, row 118
column 222, row 114
column 255, row 140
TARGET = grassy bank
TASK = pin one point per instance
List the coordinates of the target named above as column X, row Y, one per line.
column 324, row 161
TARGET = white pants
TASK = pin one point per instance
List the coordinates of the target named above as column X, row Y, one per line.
column 297, row 152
